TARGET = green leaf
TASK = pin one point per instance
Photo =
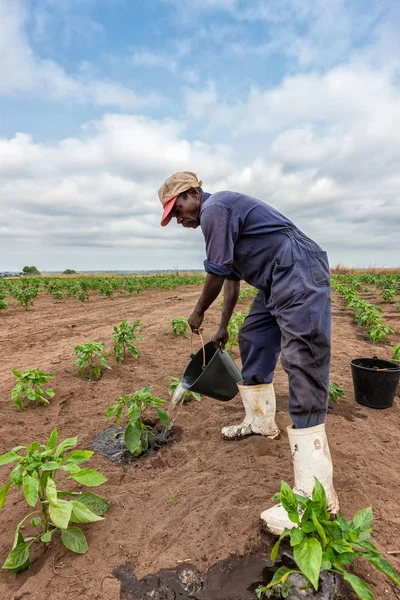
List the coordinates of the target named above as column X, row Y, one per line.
column 274, row 551
column 382, row 565
column 30, row 394
column 19, row 539
column 363, row 521
column 52, row 441
column 66, row 445
column 7, row 458
column 51, row 491
column 46, row 537
column 319, row 495
column 51, row 465
column 50, row 393
column 133, row 438
column 31, row 489
column 341, row 546
column 163, row 416
column 308, row 557
column 74, row 539
column 36, row 521
column 71, row 468
column 296, row 536
column 133, row 413
column 16, row 476
column 83, row 514
column 280, row 576
column 60, row 513
column 289, row 502
column 18, row 557
column 95, row 503
column 326, row 562
column 360, row 586
column 88, row 477
column 3, row 494
column 319, row 529
column 79, row 456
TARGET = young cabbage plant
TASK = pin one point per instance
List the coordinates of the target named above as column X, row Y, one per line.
column 180, row 326
column 124, row 337
column 91, row 359
column 335, row 392
column 30, row 386
column 3, row 304
column 137, row 431
column 321, row 543
column 185, row 395
column 41, row 470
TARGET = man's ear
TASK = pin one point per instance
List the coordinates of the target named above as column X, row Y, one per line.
column 192, row 192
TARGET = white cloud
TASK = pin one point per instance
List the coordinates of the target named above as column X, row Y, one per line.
column 23, row 72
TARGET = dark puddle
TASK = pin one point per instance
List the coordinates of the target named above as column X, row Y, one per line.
column 111, row 443
column 235, row 578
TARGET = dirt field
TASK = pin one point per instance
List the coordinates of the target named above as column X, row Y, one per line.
column 220, row 487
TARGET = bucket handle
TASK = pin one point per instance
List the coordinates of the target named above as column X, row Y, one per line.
column 202, row 344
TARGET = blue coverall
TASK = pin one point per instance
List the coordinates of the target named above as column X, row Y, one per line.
column 247, row 239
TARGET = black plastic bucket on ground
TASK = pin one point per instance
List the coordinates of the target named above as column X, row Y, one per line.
column 218, row 379
column 375, row 381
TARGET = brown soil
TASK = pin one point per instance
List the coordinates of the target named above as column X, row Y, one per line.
column 219, row 487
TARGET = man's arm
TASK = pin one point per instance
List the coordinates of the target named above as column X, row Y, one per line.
column 231, row 294
column 211, row 289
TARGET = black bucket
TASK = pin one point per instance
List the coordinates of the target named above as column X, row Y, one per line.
column 375, row 381
column 218, row 379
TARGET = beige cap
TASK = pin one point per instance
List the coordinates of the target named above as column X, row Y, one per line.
column 172, row 187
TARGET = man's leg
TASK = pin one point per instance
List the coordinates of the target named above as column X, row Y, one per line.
column 304, row 319
column 259, row 344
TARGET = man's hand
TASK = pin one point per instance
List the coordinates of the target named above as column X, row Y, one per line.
column 220, row 337
column 195, row 320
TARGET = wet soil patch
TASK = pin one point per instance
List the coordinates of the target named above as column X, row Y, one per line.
column 235, row 578
column 111, row 443
column 346, row 410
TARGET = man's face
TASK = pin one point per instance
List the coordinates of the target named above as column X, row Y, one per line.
column 187, row 209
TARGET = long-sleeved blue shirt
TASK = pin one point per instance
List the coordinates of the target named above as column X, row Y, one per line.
column 242, row 235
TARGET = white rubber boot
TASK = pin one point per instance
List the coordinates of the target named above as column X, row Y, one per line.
column 311, row 458
column 260, row 407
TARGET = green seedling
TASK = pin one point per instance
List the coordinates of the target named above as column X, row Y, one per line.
column 282, row 590
column 233, row 330
column 396, row 353
column 91, row 359
column 26, row 296
column 171, row 497
column 30, row 386
column 186, row 395
column 388, row 295
column 379, row 333
column 3, row 304
column 124, row 337
column 335, row 392
column 180, row 326
column 40, row 470
column 321, row 543
column 137, row 432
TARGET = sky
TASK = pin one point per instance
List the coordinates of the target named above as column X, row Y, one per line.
column 296, row 102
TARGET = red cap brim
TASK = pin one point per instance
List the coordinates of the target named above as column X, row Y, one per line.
column 168, row 206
